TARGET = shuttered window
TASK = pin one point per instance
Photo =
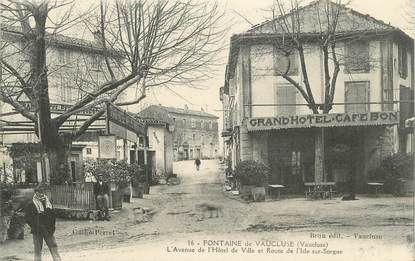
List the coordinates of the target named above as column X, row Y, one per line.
column 357, row 57
column 403, row 61
column 286, row 96
column 357, row 96
column 387, row 99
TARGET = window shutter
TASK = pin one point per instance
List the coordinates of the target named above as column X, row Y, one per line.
column 286, row 95
column 357, row 92
column 357, row 57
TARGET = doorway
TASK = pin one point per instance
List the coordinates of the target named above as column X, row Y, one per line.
column 291, row 156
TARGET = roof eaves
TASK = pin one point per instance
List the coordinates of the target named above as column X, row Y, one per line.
column 63, row 40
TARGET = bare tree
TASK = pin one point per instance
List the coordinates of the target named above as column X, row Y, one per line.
column 143, row 44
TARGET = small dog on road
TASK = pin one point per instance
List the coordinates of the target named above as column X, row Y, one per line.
column 202, row 208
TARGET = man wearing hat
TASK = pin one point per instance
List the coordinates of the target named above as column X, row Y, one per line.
column 40, row 217
column 101, row 192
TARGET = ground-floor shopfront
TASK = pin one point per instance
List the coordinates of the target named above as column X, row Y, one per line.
column 349, row 153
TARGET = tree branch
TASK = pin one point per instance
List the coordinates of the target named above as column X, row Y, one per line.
column 88, row 123
column 18, row 107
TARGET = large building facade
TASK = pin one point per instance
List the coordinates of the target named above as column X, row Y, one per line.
column 268, row 120
column 76, row 68
column 195, row 133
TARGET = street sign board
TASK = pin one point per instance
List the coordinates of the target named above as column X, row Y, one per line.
column 107, row 147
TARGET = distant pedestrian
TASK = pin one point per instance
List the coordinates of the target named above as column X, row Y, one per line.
column 101, row 192
column 197, row 163
column 40, row 216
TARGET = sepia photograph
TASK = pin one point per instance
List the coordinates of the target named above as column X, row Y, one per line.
column 207, row 130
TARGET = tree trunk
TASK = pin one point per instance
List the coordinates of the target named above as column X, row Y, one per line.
column 58, row 160
column 319, row 155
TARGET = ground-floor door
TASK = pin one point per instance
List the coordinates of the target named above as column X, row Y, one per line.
column 291, row 159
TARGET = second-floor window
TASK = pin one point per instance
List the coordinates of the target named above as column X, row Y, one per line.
column 357, row 58
column 357, row 96
column 387, row 99
column 184, row 122
column 96, row 62
column 286, row 97
column 61, row 57
column 402, row 61
column 285, row 62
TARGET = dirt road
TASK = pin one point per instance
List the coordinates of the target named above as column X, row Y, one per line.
column 170, row 229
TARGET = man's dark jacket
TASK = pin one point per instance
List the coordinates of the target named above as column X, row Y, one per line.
column 100, row 189
column 43, row 223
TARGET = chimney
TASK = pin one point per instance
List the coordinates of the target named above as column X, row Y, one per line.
column 201, row 108
column 186, row 107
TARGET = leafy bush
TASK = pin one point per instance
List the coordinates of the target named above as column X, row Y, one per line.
column 138, row 174
column 119, row 172
column 251, row 172
column 392, row 170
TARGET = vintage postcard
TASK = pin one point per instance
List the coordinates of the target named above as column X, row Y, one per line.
column 207, row 130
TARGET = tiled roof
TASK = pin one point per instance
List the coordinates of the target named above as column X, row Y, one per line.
column 155, row 112
column 189, row 112
column 60, row 40
column 151, row 121
column 350, row 24
column 162, row 112
column 310, row 19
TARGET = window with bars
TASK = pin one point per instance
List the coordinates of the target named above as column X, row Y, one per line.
column 286, row 97
column 357, row 58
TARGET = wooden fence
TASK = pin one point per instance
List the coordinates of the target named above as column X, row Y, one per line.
column 78, row 196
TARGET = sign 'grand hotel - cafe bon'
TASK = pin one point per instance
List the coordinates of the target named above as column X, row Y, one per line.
column 323, row 120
